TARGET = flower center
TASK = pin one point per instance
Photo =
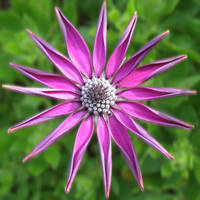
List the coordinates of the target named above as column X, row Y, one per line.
column 98, row 95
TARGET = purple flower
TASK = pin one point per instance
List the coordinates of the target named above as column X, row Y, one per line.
column 95, row 92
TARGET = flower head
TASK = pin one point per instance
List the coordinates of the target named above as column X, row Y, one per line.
column 95, row 92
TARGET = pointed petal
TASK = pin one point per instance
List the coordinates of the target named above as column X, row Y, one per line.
column 50, row 80
column 146, row 113
column 148, row 71
column 131, row 63
column 99, row 53
column 122, row 139
column 118, row 54
column 83, row 137
column 61, row 62
column 65, row 126
column 76, row 46
column 105, row 152
column 44, row 92
column 149, row 93
column 129, row 123
column 51, row 113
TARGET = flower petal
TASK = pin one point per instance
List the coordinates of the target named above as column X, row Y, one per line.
column 146, row 113
column 146, row 72
column 51, row 113
column 99, row 53
column 132, row 62
column 50, row 93
column 61, row 62
column 149, row 93
column 76, row 46
column 83, row 137
column 118, row 54
column 50, row 80
column 65, row 126
column 122, row 139
column 129, row 123
column 105, row 152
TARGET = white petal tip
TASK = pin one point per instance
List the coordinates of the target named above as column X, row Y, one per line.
column 57, row 10
column 67, row 189
column 11, row 130
column 141, row 184
column 185, row 56
column 190, row 126
column 6, row 86
column 192, row 92
column 142, row 187
column 107, row 195
column 166, row 32
column 11, row 64
column 29, row 31
column 58, row 13
column 170, row 157
column 3, row 86
column 182, row 57
column 135, row 14
column 24, row 160
column 27, row 158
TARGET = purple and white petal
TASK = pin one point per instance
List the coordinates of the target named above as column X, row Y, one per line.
column 146, row 113
column 99, row 53
column 82, row 140
column 65, row 126
column 105, row 152
column 132, row 62
column 148, row 71
column 44, row 92
column 48, row 79
column 76, row 46
column 49, row 114
column 149, row 93
column 129, row 123
column 118, row 54
column 122, row 139
column 60, row 61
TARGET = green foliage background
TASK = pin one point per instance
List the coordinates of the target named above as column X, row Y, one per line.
column 44, row 177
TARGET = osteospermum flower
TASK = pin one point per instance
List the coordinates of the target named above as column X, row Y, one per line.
column 95, row 92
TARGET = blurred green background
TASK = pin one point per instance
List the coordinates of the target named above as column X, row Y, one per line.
column 43, row 178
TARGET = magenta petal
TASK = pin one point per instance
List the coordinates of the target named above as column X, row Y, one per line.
column 50, row 80
column 61, row 62
column 149, row 93
column 51, row 113
column 146, row 113
column 76, row 46
column 83, row 137
column 132, row 62
column 65, row 126
column 146, row 72
column 99, row 53
column 129, row 123
column 122, row 139
column 44, row 92
column 118, row 54
column 105, row 152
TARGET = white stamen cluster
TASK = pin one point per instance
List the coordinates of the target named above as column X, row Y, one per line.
column 98, row 95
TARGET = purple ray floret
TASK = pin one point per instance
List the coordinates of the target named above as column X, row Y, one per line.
column 95, row 92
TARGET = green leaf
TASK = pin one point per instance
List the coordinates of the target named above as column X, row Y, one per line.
column 37, row 166
column 197, row 170
column 166, row 170
column 52, row 156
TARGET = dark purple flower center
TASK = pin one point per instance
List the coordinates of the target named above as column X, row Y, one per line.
column 98, row 95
